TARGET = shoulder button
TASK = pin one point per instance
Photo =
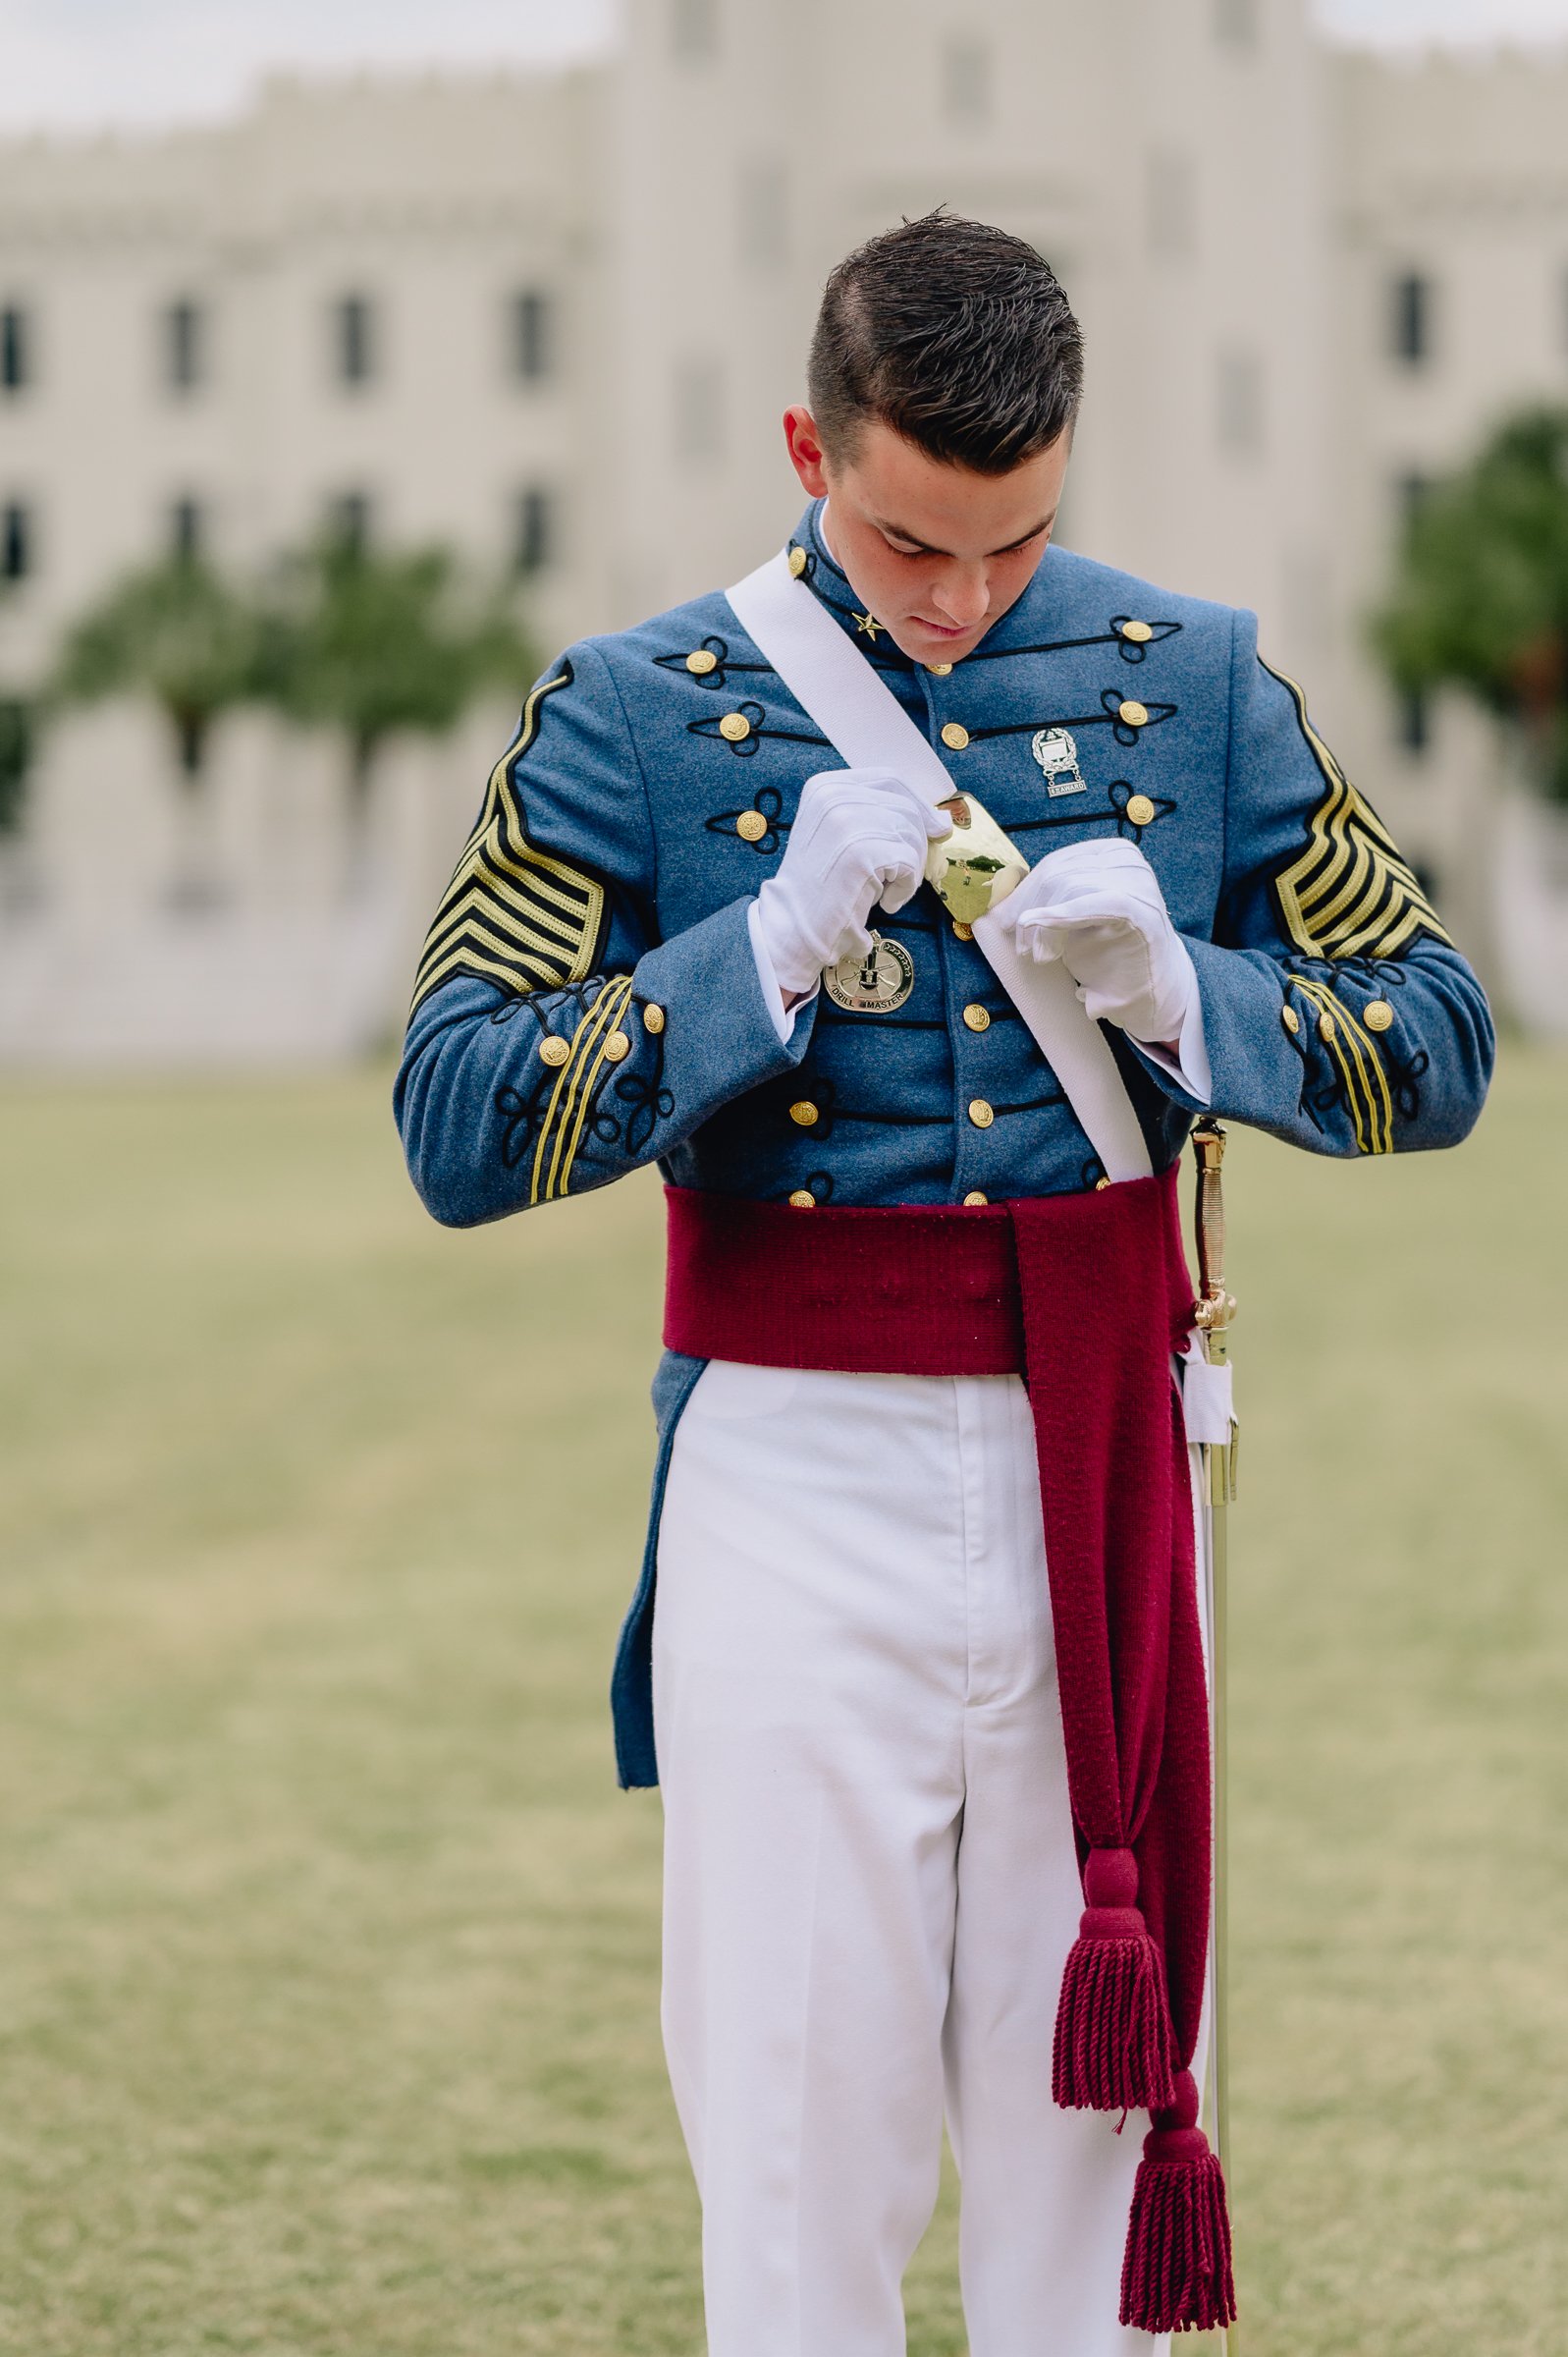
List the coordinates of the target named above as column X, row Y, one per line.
column 1138, row 631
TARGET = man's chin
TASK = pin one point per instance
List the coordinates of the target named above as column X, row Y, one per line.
column 922, row 644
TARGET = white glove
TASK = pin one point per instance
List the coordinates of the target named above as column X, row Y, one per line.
column 1098, row 908
column 860, row 836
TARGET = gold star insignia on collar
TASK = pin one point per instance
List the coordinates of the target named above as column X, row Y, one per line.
column 869, row 624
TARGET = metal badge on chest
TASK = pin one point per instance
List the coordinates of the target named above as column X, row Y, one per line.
column 875, row 985
column 1056, row 751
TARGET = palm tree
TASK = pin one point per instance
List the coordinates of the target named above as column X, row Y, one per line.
column 1480, row 596
column 371, row 644
column 175, row 630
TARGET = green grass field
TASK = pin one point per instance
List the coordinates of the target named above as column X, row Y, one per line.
column 328, row 1959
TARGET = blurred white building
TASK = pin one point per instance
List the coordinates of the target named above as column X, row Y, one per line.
column 554, row 320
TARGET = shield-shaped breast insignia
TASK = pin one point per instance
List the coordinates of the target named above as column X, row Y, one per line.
column 1057, row 755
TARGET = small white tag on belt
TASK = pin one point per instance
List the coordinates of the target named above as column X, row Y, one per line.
column 1206, row 1400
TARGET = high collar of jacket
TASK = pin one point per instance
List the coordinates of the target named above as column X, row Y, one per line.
column 827, row 582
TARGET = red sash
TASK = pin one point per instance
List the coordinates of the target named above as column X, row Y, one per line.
column 1085, row 1297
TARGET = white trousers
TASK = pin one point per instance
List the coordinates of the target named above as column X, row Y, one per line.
column 870, row 1879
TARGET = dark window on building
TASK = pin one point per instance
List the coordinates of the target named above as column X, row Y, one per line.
column 185, row 346
column 17, row 554
column 15, row 759
column 350, row 519
column 966, row 83
column 1170, row 201
column 1412, row 490
column 1411, row 308
column 693, row 28
column 699, row 410
column 1236, row 23
column 1240, row 404
column 1414, row 720
column 354, row 339
column 534, row 544
column 763, row 211
column 534, row 336
column 16, row 350
column 187, row 530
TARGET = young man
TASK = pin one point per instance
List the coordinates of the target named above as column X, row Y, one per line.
column 915, row 1655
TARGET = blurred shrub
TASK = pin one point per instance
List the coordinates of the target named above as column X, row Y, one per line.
column 1480, row 596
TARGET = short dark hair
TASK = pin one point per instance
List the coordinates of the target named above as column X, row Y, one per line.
column 957, row 335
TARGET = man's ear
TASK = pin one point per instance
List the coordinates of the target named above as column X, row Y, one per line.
column 804, row 445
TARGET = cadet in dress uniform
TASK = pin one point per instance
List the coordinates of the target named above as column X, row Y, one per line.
column 840, row 1657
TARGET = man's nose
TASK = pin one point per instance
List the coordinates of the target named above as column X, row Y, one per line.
column 962, row 597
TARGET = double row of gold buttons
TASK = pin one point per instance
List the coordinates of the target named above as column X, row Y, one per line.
column 615, row 1047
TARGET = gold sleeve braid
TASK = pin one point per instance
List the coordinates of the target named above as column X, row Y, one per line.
column 1350, row 894
column 572, row 1099
column 1355, row 1052
column 512, row 915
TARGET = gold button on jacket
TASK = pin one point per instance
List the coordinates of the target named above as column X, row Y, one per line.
column 975, row 1198
column 955, row 735
column 1140, row 809
column 554, row 1051
column 797, row 562
column 1135, row 715
column 1378, row 1015
column 977, row 1019
column 1138, row 631
column 803, row 1199
column 701, row 661
column 980, row 1113
column 751, row 826
column 616, row 1047
column 734, row 727
column 1290, row 1018
column 653, row 1018
column 805, row 1113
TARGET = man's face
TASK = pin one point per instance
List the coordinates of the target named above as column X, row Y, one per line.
column 934, row 552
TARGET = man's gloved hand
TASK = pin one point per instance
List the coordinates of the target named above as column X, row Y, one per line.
column 1098, row 908
column 860, row 836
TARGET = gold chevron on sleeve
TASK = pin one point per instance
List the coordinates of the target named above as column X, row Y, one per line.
column 572, row 1098
column 513, row 914
column 1360, row 1065
column 1350, row 894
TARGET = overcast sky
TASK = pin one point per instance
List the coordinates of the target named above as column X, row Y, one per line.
column 86, row 62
